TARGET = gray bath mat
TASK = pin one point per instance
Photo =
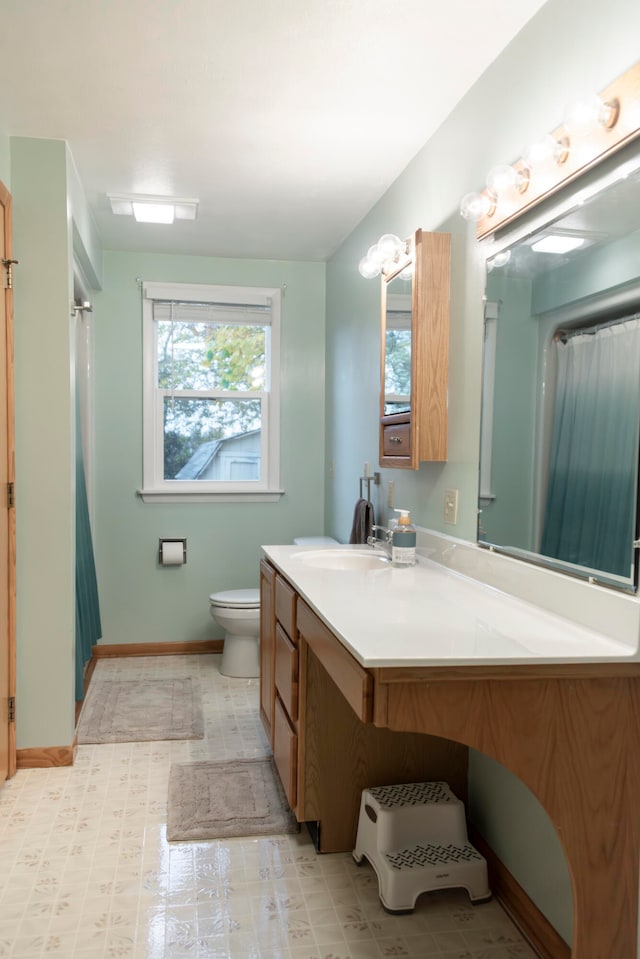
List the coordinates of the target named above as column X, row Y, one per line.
column 141, row 710
column 219, row 800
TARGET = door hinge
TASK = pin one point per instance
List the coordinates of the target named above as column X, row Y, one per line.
column 11, row 495
column 12, row 709
column 8, row 273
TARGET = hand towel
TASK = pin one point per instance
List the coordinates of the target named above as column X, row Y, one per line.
column 363, row 520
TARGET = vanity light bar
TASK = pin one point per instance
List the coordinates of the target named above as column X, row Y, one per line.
column 592, row 130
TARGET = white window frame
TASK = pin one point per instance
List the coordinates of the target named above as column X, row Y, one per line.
column 155, row 488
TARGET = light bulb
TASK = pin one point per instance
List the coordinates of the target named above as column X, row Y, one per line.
column 474, row 206
column 368, row 269
column 500, row 259
column 501, row 178
column 583, row 115
column 391, row 246
column 544, row 150
column 375, row 254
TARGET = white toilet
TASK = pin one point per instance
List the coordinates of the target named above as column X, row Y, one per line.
column 238, row 612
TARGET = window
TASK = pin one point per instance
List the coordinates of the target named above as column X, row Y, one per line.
column 211, row 403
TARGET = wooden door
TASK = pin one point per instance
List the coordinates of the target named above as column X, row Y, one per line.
column 7, row 509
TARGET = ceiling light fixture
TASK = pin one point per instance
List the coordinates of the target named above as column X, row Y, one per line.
column 383, row 256
column 153, row 209
column 593, row 128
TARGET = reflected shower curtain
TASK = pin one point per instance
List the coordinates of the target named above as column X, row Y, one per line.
column 591, row 496
column 88, row 626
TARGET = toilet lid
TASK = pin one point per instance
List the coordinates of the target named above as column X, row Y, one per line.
column 236, row 598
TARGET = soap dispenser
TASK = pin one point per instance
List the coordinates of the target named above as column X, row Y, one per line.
column 403, row 541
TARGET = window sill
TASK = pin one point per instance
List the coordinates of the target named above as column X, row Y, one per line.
column 237, row 496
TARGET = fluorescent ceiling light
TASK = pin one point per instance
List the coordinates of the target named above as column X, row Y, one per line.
column 153, row 212
column 557, row 243
column 153, row 209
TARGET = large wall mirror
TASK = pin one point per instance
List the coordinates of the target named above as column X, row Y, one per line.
column 415, row 353
column 561, row 390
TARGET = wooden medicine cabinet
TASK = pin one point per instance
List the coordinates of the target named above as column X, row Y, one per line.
column 415, row 354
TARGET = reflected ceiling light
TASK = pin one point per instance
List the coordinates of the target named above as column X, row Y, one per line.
column 557, row 243
column 153, row 209
column 383, row 256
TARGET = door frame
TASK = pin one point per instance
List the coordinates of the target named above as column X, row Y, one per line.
column 6, row 202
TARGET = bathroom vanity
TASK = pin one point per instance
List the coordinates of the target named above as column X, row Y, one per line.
column 372, row 675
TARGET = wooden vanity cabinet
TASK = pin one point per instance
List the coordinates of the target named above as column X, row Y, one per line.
column 568, row 731
column 317, row 707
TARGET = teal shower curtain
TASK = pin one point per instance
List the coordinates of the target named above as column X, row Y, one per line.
column 592, row 489
column 88, row 626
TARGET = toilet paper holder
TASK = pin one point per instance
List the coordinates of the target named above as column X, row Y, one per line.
column 182, row 541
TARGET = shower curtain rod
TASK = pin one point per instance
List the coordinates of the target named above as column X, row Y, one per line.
column 565, row 335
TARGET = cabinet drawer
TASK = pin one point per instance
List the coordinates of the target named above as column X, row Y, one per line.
column 396, row 440
column 287, row 672
column 286, row 607
column 352, row 679
column 285, row 753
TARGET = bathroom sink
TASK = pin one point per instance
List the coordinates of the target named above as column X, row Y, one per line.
column 358, row 559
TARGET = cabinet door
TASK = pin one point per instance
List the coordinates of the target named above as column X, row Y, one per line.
column 285, row 752
column 287, row 672
column 267, row 646
column 286, row 607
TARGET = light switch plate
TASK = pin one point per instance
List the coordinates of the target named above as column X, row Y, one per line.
column 451, row 506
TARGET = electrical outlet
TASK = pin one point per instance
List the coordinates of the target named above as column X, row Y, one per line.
column 451, row 506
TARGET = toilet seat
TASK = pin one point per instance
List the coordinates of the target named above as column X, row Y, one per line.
column 236, row 599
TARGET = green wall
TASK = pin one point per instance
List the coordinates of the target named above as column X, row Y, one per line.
column 5, row 158
column 141, row 601
column 44, row 444
column 508, row 519
column 558, row 56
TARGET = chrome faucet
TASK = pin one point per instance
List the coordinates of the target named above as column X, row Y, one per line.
column 383, row 542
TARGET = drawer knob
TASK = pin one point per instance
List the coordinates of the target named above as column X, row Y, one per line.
column 395, row 439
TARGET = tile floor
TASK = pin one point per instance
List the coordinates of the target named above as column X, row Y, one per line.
column 86, row 871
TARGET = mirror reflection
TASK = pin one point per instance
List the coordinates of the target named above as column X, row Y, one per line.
column 397, row 346
column 561, row 390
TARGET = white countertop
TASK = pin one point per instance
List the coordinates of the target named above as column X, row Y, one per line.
column 428, row 615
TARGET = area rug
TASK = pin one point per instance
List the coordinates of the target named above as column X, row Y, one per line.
column 141, row 710
column 229, row 798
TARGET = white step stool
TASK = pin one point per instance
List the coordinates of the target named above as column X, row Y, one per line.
column 415, row 837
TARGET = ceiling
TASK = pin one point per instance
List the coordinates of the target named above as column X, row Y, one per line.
column 270, row 112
